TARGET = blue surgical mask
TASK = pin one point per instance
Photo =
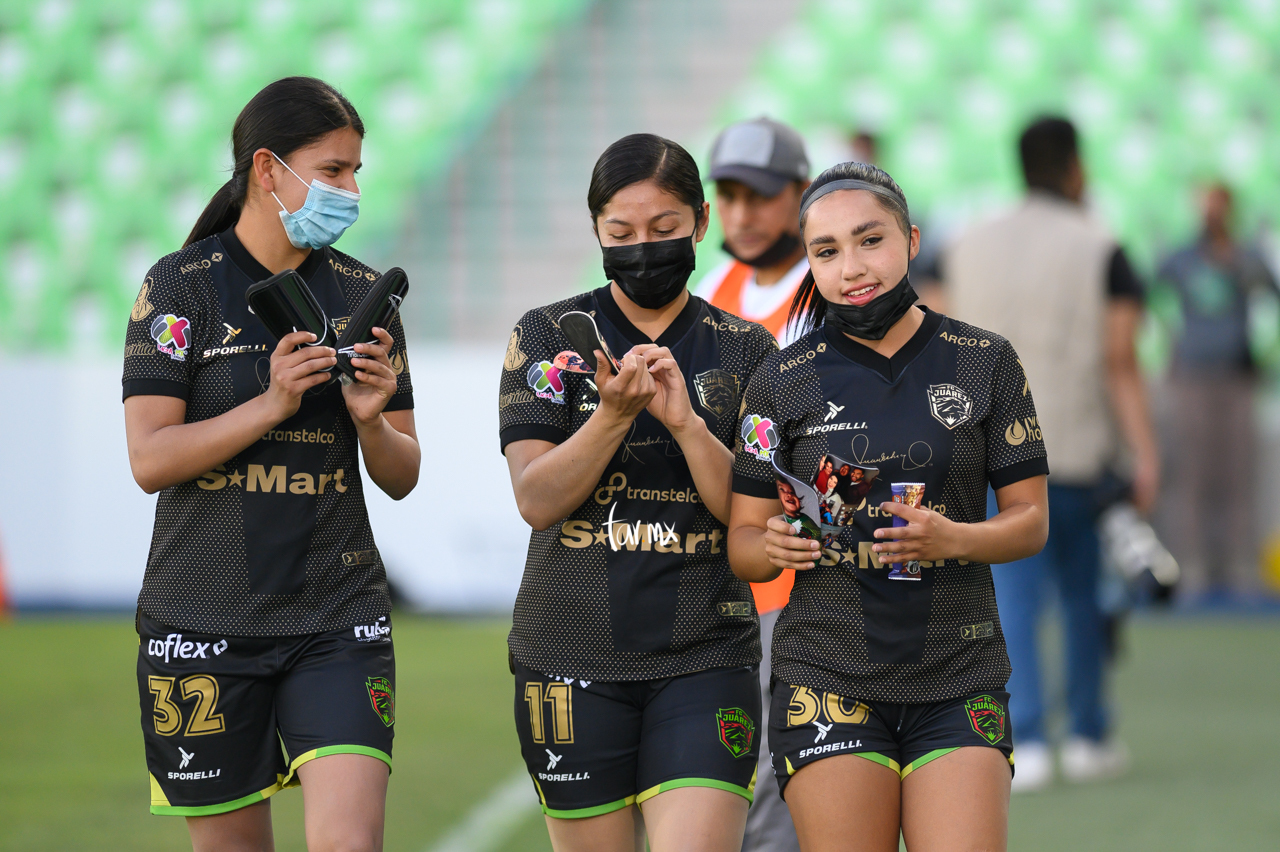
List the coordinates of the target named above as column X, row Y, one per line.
column 327, row 212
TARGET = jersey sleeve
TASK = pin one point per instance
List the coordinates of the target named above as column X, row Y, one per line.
column 1015, row 446
column 402, row 399
column 162, row 339
column 758, row 439
column 531, row 394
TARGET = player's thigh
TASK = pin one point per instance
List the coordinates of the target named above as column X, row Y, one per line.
column 958, row 802
column 208, row 720
column 621, row 830
column 701, row 730
column 847, row 803
column 337, row 697
column 246, row 829
column 345, row 799
column 696, row 819
column 579, row 740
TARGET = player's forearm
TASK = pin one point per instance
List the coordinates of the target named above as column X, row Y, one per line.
column 711, row 464
column 556, row 482
column 1018, row 531
column 181, row 452
column 392, row 458
column 747, row 557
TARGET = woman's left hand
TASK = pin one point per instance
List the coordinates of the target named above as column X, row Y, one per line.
column 375, row 380
column 671, row 403
column 927, row 537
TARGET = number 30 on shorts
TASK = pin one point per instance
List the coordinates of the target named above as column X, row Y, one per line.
column 560, row 697
column 204, row 718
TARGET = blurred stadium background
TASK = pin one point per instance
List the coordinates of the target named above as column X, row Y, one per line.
column 484, row 118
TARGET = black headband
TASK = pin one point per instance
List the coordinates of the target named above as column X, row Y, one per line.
column 853, row 183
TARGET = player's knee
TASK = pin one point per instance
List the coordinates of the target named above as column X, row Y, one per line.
column 347, row 841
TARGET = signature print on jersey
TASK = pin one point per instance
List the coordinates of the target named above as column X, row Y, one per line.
column 758, row 436
column 172, row 335
column 949, row 404
column 547, row 382
column 736, row 730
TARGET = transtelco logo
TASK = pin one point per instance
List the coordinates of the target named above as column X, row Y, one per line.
column 173, row 646
column 618, row 483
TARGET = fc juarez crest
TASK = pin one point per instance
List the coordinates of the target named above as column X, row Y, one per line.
column 736, row 730
column 383, row 697
column 987, row 717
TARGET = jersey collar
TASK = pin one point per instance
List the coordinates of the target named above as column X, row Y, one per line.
column 890, row 368
column 679, row 326
column 249, row 265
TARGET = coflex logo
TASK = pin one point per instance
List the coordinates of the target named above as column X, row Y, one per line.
column 379, row 631
column 172, row 335
column 758, row 436
column 547, row 382
column 173, row 646
column 1020, row 431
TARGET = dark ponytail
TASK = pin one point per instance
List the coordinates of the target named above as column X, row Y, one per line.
column 808, row 308
column 640, row 157
column 286, row 115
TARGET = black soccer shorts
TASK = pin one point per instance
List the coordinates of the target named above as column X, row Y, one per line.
column 215, row 710
column 806, row 725
column 595, row 747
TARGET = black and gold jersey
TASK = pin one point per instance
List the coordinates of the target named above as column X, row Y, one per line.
column 275, row 541
column 952, row 410
column 635, row 583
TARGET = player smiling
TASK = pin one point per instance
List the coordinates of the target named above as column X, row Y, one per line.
column 888, row 710
column 264, row 606
column 633, row 645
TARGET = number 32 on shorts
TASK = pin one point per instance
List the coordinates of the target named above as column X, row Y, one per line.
column 204, row 718
column 560, row 697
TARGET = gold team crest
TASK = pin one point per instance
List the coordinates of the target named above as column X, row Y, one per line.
column 717, row 391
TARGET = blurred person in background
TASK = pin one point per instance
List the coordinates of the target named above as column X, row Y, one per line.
column 865, row 148
column 1212, row 379
column 761, row 169
column 1055, row 282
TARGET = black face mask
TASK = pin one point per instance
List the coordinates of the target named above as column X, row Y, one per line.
column 873, row 320
column 651, row 274
column 783, row 247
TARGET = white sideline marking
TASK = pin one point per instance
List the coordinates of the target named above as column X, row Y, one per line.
column 492, row 821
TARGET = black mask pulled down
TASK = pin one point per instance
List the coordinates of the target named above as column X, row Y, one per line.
column 873, row 320
column 651, row 274
column 783, row 247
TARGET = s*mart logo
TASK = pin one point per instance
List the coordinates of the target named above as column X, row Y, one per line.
column 172, row 335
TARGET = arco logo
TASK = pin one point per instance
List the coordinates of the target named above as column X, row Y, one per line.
column 758, row 436
column 172, row 335
column 547, row 382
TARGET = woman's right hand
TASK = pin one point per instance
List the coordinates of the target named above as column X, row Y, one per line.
column 625, row 394
column 785, row 548
column 293, row 373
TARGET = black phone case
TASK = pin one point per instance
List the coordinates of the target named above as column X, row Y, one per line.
column 585, row 338
column 285, row 304
column 375, row 311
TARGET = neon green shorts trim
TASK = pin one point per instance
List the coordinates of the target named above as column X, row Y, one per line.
column 291, row 780
column 747, row 793
column 160, row 804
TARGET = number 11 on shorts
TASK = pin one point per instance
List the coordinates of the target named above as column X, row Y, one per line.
column 560, row 697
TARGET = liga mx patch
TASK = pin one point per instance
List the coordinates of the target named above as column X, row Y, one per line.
column 547, row 382
column 759, row 437
column 736, row 730
column 987, row 717
column 383, row 697
column 172, row 335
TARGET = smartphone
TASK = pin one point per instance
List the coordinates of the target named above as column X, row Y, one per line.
column 585, row 338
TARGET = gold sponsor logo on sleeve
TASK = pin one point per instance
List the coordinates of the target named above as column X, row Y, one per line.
column 142, row 306
column 985, row 630
column 360, row 557
column 515, row 398
column 734, row 609
column 515, row 358
column 400, row 362
column 1019, row 432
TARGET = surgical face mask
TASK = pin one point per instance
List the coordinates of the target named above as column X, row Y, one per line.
column 782, row 248
column 323, row 217
column 873, row 320
column 651, row 274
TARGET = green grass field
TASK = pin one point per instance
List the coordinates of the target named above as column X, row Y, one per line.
column 1199, row 707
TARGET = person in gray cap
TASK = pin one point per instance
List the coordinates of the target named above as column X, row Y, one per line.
column 761, row 170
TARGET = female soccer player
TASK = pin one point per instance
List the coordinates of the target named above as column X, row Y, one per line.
column 888, row 709
column 634, row 647
column 263, row 617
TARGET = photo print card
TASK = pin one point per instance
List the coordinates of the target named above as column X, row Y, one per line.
column 800, row 505
column 842, row 489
